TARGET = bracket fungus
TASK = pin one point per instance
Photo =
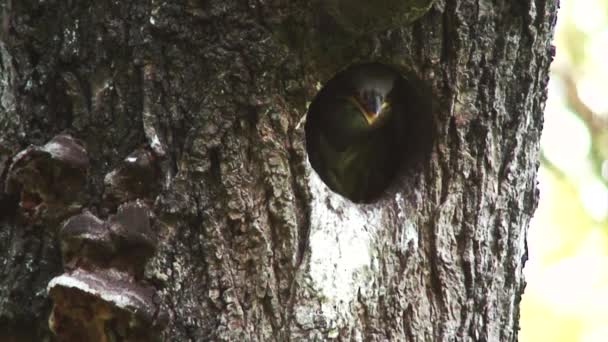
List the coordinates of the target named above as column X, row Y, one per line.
column 102, row 295
column 130, row 230
column 104, row 306
column 49, row 179
column 85, row 239
column 136, row 177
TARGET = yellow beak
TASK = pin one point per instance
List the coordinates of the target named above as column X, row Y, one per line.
column 369, row 116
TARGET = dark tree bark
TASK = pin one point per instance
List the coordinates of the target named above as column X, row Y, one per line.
column 250, row 244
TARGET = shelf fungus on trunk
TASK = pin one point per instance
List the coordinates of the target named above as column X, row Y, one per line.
column 363, row 126
column 49, row 179
column 102, row 296
column 136, row 177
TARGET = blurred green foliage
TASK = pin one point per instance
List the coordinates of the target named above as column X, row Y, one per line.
column 566, row 298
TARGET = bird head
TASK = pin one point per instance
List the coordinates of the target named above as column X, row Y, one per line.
column 371, row 90
column 372, row 103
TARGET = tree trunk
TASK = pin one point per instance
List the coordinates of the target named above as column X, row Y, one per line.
column 250, row 244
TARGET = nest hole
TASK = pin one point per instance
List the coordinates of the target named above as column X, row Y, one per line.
column 368, row 125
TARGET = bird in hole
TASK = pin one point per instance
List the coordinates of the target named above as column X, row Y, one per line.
column 354, row 129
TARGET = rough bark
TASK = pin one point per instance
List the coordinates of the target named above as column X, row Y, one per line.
column 251, row 244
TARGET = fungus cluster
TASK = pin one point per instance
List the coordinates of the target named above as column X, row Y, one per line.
column 48, row 179
column 134, row 178
column 102, row 295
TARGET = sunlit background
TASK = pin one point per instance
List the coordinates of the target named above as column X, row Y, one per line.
column 566, row 298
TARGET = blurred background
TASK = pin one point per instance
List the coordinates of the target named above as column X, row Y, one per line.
column 566, row 298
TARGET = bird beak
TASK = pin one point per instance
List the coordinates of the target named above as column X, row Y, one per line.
column 370, row 116
column 373, row 116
